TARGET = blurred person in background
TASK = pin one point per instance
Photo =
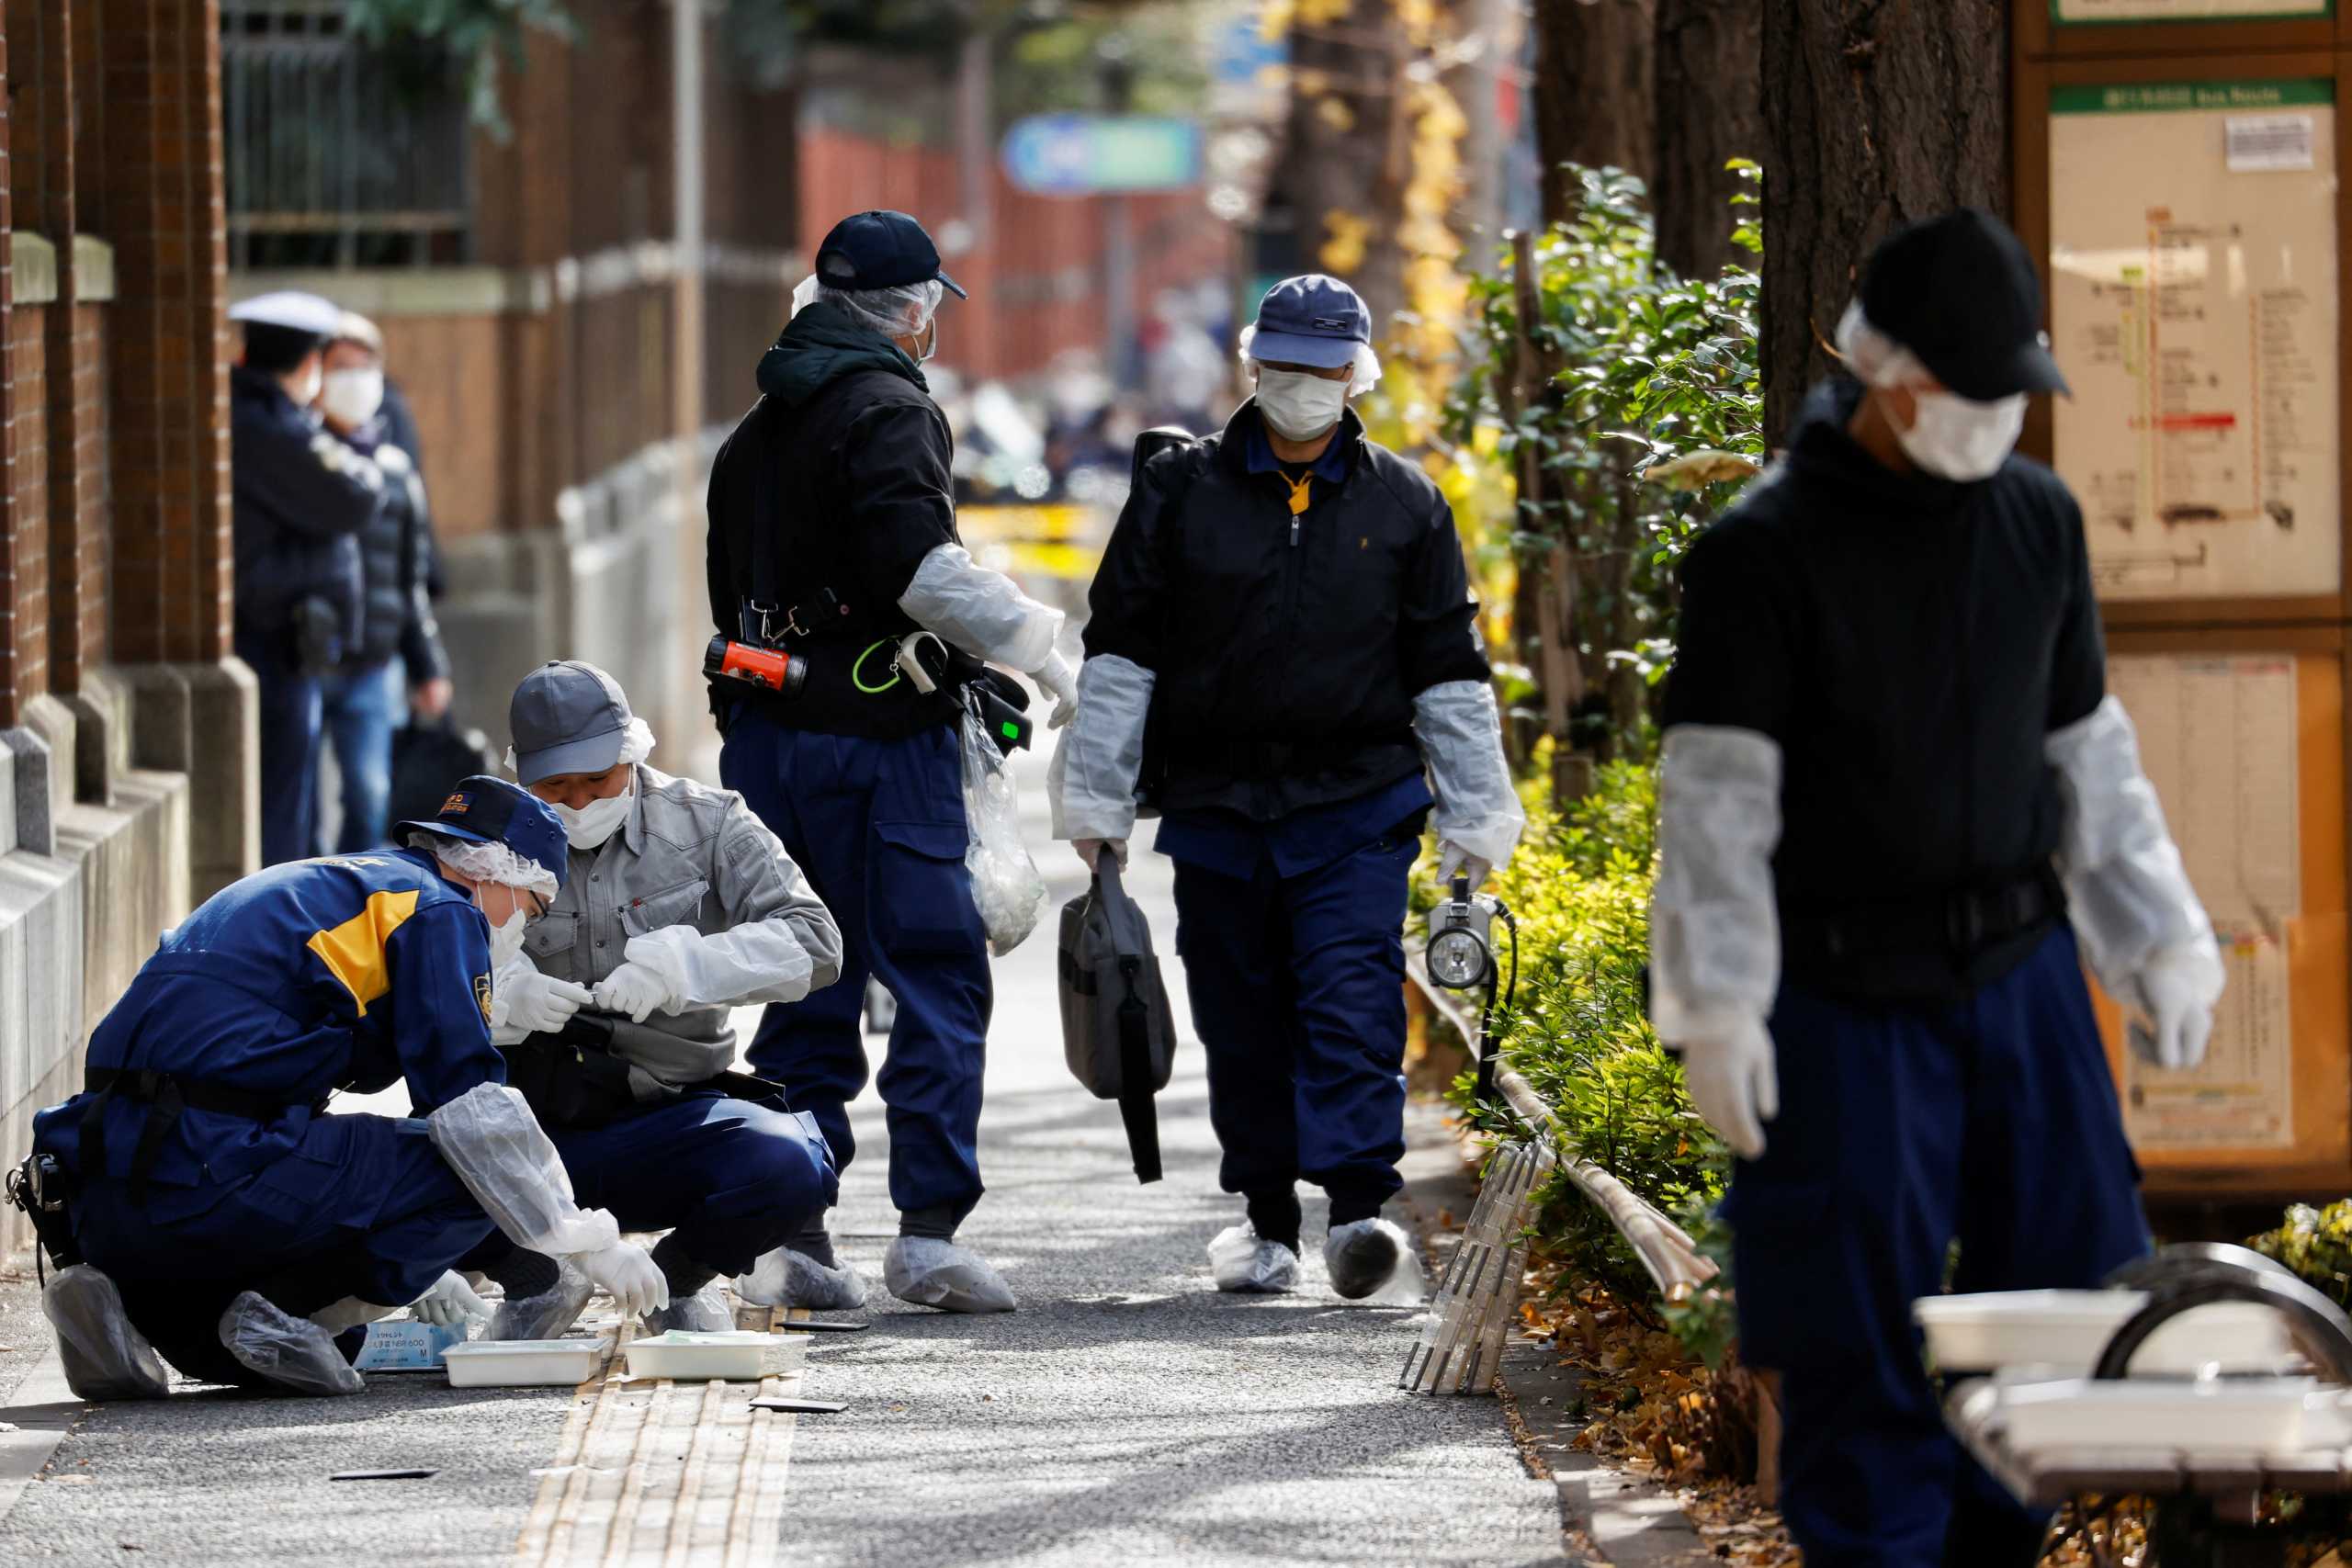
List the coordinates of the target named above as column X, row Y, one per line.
column 302, row 497
column 396, row 664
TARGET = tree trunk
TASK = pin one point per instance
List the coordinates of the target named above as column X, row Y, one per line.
column 1710, row 110
column 1593, row 103
column 1343, row 168
column 1878, row 113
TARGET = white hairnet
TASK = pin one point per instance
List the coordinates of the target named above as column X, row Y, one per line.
column 1876, row 359
column 1367, row 365
column 488, row 863
column 880, row 309
column 636, row 744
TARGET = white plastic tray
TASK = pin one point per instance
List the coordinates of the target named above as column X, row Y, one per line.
column 525, row 1363
column 2258, row 1416
column 737, row 1354
column 2065, row 1330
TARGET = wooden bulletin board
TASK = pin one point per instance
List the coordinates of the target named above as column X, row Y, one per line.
column 2177, row 170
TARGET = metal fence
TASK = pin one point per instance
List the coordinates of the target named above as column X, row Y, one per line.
column 339, row 154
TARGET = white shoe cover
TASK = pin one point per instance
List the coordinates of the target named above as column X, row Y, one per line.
column 103, row 1356
column 926, row 1271
column 1241, row 1262
column 707, row 1311
column 551, row 1314
column 292, row 1352
column 787, row 1279
column 1375, row 1261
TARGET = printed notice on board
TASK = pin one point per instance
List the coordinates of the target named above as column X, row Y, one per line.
column 2193, row 309
column 2081, row 11
column 2217, row 738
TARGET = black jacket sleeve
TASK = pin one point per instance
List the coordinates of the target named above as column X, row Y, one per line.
column 308, row 482
column 895, row 459
column 2078, row 665
column 1126, row 604
column 1438, row 632
column 1737, row 648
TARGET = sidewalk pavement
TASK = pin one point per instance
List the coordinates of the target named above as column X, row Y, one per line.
column 1126, row 1412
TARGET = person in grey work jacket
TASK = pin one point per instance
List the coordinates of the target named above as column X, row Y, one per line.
column 679, row 907
column 1283, row 610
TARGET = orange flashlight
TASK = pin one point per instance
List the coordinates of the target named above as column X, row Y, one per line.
column 781, row 673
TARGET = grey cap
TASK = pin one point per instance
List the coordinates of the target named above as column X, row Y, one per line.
column 567, row 718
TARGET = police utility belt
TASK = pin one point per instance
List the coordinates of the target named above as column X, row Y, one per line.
column 1959, row 925
column 573, row 1077
column 812, row 672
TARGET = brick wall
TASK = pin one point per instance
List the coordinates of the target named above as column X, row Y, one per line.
column 14, row 686
column 29, row 497
column 79, row 535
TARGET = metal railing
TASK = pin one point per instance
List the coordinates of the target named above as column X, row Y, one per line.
column 339, row 154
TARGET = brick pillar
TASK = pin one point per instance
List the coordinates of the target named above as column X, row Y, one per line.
column 172, row 550
column 14, row 686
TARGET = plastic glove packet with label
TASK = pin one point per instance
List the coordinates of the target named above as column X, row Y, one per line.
column 405, row 1344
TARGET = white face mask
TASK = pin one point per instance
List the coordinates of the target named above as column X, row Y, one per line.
column 352, row 397
column 1298, row 406
column 1957, row 438
column 505, row 940
column 598, row 820
column 305, row 390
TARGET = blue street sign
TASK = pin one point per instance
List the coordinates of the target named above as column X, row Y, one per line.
column 1091, row 154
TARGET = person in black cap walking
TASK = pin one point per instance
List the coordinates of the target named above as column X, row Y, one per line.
column 1897, row 813
column 832, row 537
column 1283, row 658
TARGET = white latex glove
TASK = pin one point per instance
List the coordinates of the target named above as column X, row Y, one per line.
column 1735, row 1085
column 635, row 989
column 1090, row 851
column 1452, row 857
column 629, row 1273
column 1061, row 682
column 2177, row 988
column 539, row 1003
column 449, row 1304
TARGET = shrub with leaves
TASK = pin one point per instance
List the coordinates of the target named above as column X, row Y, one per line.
column 2317, row 1244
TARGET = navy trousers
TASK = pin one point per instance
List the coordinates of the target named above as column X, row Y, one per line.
column 878, row 828
column 734, row 1179
column 363, row 1206
column 292, row 715
column 1297, row 991
column 1990, row 1122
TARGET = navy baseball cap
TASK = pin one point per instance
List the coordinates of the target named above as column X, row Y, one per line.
column 484, row 810
column 1960, row 292
column 1313, row 320
column 568, row 716
column 880, row 250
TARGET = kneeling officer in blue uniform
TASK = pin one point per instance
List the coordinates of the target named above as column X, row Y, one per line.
column 1898, row 812
column 680, row 908
column 214, row 1212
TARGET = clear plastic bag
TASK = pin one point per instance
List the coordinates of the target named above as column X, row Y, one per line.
column 1006, row 883
column 105, row 1357
column 292, row 1352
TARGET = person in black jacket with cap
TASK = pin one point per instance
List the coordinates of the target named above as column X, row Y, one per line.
column 1283, row 622
column 832, row 537
column 302, row 497
column 1897, row 813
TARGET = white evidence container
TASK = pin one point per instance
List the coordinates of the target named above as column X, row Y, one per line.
column 525, row 1363
column 735, row 1355
column 2207, row 1416
column 2065, row 1331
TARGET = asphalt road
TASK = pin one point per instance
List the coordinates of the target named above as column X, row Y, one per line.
column 1127, row 1413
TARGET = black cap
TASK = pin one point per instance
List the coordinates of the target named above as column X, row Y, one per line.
column 880, row 250
column 1960, row 293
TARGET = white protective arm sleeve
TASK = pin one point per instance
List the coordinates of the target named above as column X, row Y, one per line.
column 980, row 611
column 2127, row 891
column 501, row 997
column 759, row 961
column 490, row 1138
column 1091, row 785
column 1461, row 732
column 1714, row 924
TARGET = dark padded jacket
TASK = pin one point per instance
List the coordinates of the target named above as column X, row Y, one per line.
column 856, row 492
column 1910, row 643
column 1286, row 651
column 396, row 564
column 301, row 499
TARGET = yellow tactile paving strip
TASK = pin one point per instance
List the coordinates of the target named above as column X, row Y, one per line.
column 659, row 1474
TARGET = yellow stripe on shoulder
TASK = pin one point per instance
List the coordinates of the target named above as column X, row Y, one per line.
column 354, row 950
